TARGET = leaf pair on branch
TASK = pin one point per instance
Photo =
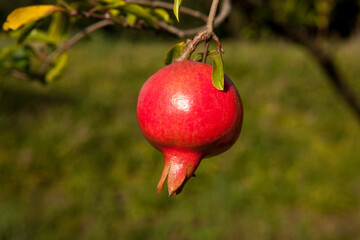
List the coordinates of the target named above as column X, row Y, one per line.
column 215, row 55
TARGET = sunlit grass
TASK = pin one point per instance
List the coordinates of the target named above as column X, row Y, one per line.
column 74, row 165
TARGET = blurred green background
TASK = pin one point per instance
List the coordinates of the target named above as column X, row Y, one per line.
column 74, row 165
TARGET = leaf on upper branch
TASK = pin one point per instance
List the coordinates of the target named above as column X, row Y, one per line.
column 41, row 36
column 58, row 66
column 59, row 26
column 22, row 33
column 24, row 15
column 6, row 52
column 217, row 74
column 177, row 4
column 114, row 12
column 131, row 19
column 174, row 52
column 140, row 12
column 162, row 14
column 19, row 59
column 31, row 32
column 113, row 3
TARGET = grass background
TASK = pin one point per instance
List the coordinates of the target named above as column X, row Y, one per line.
column 74, row 165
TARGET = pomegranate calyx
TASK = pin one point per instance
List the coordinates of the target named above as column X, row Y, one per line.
column 164, row 175
column 179, row 167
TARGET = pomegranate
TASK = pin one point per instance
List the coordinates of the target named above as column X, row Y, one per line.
column 183, row 115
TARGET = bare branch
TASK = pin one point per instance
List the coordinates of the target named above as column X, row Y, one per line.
column 326, row 62
column 320, row 53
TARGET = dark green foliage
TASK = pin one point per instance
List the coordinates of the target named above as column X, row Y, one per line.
column 316, row 18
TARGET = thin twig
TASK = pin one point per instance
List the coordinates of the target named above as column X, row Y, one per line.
column 20, row 75
column 206, row 49
column 68, row 44
column 217, row 40
column 212, row 14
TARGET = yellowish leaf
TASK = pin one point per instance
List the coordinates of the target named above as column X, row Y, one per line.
column 24, row 15
column 177, row 4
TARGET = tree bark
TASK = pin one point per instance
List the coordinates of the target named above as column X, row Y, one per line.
column 326, row 61
column 323, row 56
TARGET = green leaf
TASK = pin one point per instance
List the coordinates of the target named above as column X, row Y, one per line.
column 162, row 14
column 140, row 12
column 7, row 51
column 40, row 36
column 59, row 26
column 177, row 4
column 131, row 19
column 174, row 52
column 113, row 2
column 56, row 70
column 25, row 31
column 20, row 60
column 114, row 12
column 217, row 74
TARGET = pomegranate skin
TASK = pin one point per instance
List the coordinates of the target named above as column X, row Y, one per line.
column 182, row 114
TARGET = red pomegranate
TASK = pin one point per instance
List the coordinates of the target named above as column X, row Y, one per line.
column 182, row 114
